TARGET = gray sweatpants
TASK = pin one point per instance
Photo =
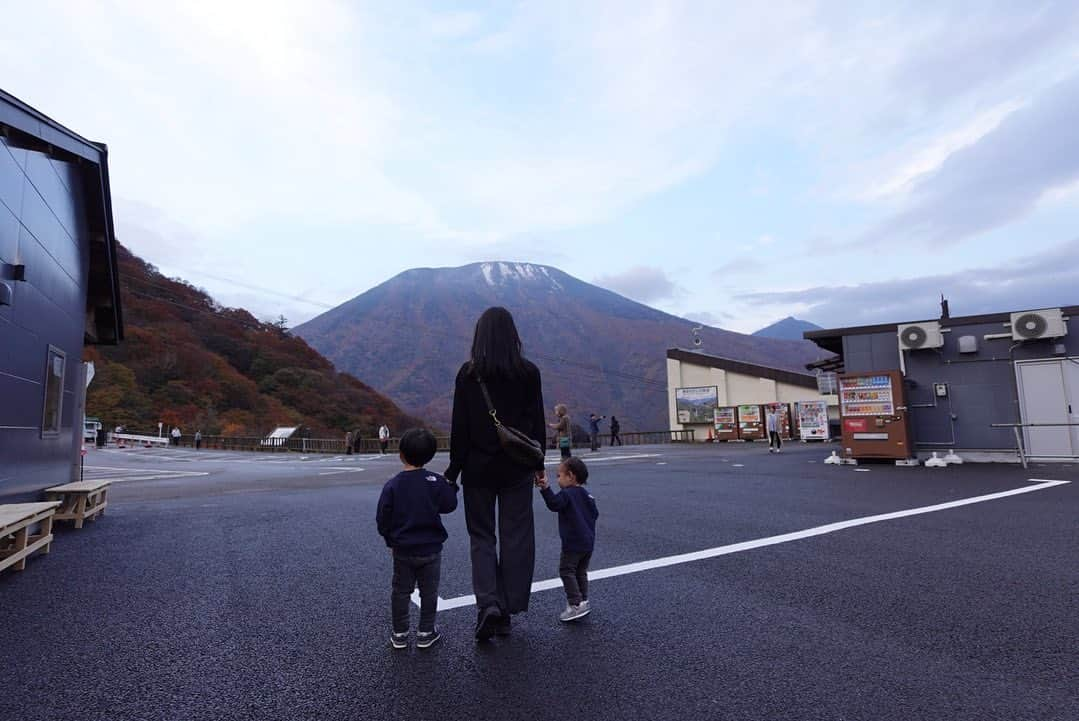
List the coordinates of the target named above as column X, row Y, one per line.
column 573, row 569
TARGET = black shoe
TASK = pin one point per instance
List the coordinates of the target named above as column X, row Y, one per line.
column 502, row 628
column 488, row 620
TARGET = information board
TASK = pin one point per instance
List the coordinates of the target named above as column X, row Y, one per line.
column 696, row 405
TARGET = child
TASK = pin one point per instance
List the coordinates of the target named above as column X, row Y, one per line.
column 408, row 518
column 577, row 516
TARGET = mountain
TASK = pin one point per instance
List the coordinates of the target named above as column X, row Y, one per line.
column 790, row 328
column 598, row 351
column 188, row 361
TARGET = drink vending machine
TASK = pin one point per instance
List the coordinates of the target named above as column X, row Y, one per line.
column 726, row 422
column 874, row 414
column 812, row 420
column 751, row 423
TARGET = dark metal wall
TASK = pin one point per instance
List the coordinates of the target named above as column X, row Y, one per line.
column 42, row 226
column 981, row 386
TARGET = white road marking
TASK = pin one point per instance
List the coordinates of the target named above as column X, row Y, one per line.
column 861, row 470
column 118, row 475
column 445, row 604
column 738, row 465
column 335, row 471
column 601, row 459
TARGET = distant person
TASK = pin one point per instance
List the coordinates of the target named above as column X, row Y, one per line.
column 409, row 519
column 383, row 437
column 198, row 439
column 563, row 432
column 496, row 486
column 616, row 428
column 348, row 443
column 176, row 435
column 772, row 424
column 593, row 430
column 577, row 514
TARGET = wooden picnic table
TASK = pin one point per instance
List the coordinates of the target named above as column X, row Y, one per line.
column 16, row 539
column 79, row 501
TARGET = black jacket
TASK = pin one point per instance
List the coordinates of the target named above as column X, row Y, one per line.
column 408, row 511
column 474, row 447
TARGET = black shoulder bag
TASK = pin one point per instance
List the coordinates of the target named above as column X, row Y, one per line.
column 518, row 446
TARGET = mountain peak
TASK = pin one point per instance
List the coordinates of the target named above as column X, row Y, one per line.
column 500, row 272
column 789, row 328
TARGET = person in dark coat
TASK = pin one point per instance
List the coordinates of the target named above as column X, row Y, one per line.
column 503, row 562
column 616, row 428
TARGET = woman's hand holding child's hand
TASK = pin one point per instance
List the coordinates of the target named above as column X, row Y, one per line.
column 541, row 479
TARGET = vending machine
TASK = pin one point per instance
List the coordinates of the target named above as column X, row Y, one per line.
column 751, row 423
column 812, row 420
column 726, row 421
column 874, row 414
column 783, row 419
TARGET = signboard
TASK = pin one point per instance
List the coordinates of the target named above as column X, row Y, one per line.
column 813, row 420
column 696, row 405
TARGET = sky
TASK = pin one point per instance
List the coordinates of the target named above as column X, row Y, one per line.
column 731, row 163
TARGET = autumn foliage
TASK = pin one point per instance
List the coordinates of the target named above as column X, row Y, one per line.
column 187, row 361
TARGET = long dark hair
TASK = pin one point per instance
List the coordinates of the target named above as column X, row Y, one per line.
column 496, row 346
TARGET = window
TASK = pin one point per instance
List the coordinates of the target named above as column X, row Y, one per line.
column 54, row 392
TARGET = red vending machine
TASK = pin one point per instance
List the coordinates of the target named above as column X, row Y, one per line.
column 751, row 423
column 874, row 414
column 726, row 421
column 783, row 419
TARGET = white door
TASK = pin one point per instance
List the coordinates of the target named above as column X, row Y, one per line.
column 1042, row 399
column 1071, row 389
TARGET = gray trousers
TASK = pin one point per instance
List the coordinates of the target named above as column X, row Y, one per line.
column 503, row 557
column 573, row 570
column 409, row 572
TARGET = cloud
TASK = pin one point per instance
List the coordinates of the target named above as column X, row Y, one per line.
column 1048, row 280
column 716, row 320
column 990, row 49
column 641, row 283
column 998, row 179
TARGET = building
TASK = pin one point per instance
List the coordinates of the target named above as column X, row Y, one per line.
column 736, row 383
column 962, row 375
column 59, row 289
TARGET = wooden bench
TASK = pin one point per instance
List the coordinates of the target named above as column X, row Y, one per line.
column 79, row 501
column 16, row 540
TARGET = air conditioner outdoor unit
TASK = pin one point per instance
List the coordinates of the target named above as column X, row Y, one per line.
column 1034, row 324
column 916, row 336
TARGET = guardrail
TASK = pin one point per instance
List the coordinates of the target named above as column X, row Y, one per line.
column 371, row 445
column 1019, row 437
column 139, row 439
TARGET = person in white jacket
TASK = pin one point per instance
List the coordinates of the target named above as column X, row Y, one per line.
column 383, row 437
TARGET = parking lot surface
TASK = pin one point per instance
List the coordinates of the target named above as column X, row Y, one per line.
column 730, row 583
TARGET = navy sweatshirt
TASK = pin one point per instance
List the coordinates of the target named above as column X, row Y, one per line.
column 408, row 511
column 577, row 514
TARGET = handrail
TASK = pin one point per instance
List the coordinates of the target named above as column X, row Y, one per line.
column 372, row 445
column 1019, row 439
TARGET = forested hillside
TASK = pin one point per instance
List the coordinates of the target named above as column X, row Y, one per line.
column 188, row 361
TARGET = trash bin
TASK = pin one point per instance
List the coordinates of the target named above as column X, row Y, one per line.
column 100, row 437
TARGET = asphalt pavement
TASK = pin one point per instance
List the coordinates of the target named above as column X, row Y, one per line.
column 254, row 586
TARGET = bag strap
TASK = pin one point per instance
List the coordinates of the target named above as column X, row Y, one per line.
column 487, row 397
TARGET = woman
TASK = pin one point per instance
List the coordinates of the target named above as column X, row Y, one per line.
column 616, row 428
column 502, row 567
column 562, row 433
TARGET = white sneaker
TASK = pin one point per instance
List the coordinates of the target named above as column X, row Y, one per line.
column 572, row 613
column 583, row 605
